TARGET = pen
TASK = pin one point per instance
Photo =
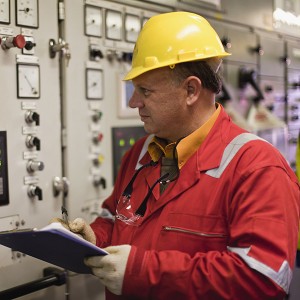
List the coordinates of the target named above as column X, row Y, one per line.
column 65, row 217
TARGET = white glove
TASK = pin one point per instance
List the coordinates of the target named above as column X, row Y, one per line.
column 111, row 268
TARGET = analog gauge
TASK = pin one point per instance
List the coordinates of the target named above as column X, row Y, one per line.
column 94, row 84
column 132, row 27
column 93, row 21
column 5, row 11
column 28, row 81
column 27, row 13
column 113, row 25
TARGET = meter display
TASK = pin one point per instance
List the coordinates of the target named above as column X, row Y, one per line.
column 114, row 25
column 28, row 81
column 94, row 84
column 4, row 197
column 27, row 13
column 132, row 27
column 5, row 11
column 93, row 21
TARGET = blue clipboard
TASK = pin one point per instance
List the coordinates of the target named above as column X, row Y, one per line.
column 53, row 244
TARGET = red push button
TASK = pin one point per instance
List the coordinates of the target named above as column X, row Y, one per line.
column 19, row 41
column 11, row 41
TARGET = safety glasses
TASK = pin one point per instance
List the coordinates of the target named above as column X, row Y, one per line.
column 124, row 211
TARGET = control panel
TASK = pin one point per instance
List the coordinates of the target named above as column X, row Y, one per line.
column 66, row 123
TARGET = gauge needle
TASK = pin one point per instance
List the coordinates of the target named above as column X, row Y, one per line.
column 25, row 10
column 93, row 84
column 34, row 91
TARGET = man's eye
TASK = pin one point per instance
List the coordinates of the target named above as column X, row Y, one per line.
column 145, row 92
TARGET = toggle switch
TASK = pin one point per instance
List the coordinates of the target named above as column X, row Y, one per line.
column 127, row 56
column 286, row 60
column 33, row 141
column 97, row 161
column 35, row 191
column 226, row 42
column 112, row 54
column 99, row 181
column 95, row 53
column 31, row 117
column 13, row 41
column 97, row 137
column 34, row 165
column 97, row 115
column 258, row 50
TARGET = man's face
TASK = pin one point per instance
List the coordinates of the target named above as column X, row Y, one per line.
column 161, row 103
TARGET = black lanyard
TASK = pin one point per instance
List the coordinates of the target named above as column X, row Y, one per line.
column 164, row 179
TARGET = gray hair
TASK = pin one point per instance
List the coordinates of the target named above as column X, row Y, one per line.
column 205, row 70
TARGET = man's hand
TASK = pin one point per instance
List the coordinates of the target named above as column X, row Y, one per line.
column 80, row 227
column 111, row 268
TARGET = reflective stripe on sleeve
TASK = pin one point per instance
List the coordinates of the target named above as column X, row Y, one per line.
column 282, row 277
column 230, row 151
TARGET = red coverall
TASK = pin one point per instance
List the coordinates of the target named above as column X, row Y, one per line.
column 225, row 229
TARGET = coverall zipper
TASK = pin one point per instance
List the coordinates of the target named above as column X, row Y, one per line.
column 171, row 228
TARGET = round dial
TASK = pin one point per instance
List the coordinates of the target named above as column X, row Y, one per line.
column 4, row 11
column 93, row 21
column 94, row 84
column 27, row 13
column 28, row 78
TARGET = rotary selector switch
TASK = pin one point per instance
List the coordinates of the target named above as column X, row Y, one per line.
column 33, row 141
column 35, row 191
column 31, row 117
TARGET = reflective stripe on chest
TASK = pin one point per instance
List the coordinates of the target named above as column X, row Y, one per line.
column 230, row 151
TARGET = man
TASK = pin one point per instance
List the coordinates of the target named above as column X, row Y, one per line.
column 201, row 209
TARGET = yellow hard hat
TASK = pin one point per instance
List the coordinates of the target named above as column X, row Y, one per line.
column 171, row 38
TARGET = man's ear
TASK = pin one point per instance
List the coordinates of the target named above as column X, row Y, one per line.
column 193, row 88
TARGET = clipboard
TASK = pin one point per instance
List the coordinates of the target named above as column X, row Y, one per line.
column 53, row 244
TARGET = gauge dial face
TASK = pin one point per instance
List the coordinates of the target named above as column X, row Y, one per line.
column 5, row 11
column 94, row 84
column 27, row 14
column 93, row 21
column 132, row 27
column 113, row 23
column 28, row 81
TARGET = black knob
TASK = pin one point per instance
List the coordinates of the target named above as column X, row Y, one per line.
column 99, row 181
column 127, row 56
column 39, row 193
column 29, row 45
column 33, row 141
column 32, row 116
column 35, row 191
column 96, row 54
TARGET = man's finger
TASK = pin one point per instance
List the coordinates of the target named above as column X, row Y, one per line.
column 94, row 261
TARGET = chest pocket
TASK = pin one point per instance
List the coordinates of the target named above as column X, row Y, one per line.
column 192, row 233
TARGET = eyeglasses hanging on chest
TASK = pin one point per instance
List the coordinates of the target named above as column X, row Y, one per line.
column 125, row 212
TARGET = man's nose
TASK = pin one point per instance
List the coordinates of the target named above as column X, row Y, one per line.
column 135, row 101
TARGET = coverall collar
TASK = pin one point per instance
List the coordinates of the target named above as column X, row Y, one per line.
column 187, row 146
